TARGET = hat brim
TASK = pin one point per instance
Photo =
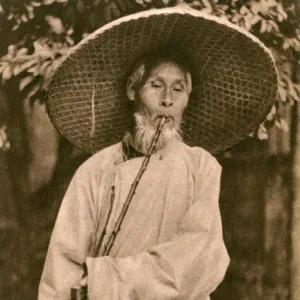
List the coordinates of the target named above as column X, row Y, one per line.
column 234, row 79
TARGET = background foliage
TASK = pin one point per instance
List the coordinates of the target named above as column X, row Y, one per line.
column 40, row 32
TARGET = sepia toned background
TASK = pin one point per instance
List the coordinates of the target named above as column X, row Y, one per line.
column 260, row 193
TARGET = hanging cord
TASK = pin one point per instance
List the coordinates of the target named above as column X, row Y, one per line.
column 97, row 243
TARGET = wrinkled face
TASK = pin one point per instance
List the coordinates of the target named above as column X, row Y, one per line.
column 165, row 92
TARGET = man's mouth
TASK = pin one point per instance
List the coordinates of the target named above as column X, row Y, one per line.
column 167, row 117
column 168, row 122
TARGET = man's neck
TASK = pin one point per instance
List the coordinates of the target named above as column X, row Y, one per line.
column 129, row 150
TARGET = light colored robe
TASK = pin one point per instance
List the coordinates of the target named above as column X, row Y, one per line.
column 170, row 245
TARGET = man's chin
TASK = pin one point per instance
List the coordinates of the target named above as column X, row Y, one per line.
column 169, row 124
column 145, row 130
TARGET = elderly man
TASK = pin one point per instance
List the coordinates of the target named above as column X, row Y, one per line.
column 170, row 243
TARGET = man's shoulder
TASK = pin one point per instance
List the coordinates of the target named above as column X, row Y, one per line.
column 103, row 158
column 197, row 151
column 199, row 155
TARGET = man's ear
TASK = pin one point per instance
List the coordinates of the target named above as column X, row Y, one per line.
column 130, row 89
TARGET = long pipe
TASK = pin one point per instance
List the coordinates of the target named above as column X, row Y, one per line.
column 134, row 185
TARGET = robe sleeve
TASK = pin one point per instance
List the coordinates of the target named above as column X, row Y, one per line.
column 189, row 266
column 70, row 239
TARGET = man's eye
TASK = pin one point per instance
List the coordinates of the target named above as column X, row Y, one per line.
column 156, row 85
column 178, row 88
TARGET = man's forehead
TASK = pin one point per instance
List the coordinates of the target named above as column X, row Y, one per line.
column 168, row 69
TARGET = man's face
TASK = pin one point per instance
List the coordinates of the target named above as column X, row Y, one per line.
column 164, row 93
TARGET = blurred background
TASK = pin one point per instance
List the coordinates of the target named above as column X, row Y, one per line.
column 260, row 193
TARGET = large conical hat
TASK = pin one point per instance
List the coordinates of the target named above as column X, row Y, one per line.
column 234, row 78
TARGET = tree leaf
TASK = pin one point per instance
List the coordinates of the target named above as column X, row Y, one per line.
column 293, row 92
column 69, row 41
column 139, row 2
column 284, row 126
column 262, row 132
column 286, row 45
column 22, row 51
column 272, row 113
column 12, row 50
column 48, row 2
column 6, row 146
column 106, row 15
column 282, row 93
column 15, row 27
column 48, row 74
column 263, row 26
column 1, row 142
column 244, row 10
column 44, row 67
column 38, row 47
column 80, row 6
column 35, row 3
column 25, row 82
column 122, row 7
column 255, row 7
column 34, row 70
column 115, row 13
column 274, row 25
column 17, row 70
column 31, row 14
column 34, row 89
column 3, row 65
column 55, row 24
column 7, row 72
column 207, row 4
column 255, row 19
column 24, row 18
column 28, row 64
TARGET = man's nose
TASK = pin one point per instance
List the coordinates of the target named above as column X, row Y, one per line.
column 167, row 100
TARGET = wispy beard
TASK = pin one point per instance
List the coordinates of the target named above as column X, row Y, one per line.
column 144, row 132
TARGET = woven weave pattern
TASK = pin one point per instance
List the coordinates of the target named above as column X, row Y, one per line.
column 234, row 81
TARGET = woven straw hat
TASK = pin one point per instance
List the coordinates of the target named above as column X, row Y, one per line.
column 234, row 79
